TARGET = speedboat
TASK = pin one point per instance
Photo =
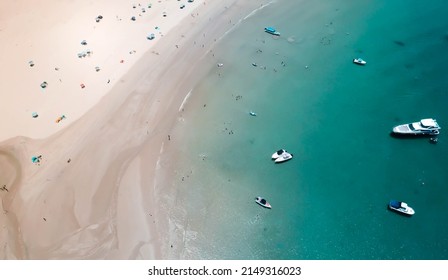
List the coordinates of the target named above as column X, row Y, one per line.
column 262, row 202
column 283, row 157
column 423, row 127
column 401, row 207
column 271, row 30
column 277, row 154
column 359, row 61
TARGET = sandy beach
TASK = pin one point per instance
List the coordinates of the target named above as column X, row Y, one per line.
column 87, row 106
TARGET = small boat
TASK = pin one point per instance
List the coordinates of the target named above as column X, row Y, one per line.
column 271, row 30
column 283, row 157
column 401, row 207
column 252, row 113
column 433, row 140
column 277, row 154
column 423, row 127
column 359, row 61
column 262, row 202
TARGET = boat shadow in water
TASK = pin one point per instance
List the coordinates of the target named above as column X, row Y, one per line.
column 411, row 136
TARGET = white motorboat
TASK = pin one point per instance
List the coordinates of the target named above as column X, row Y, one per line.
column 401, row 207
column 359, row 61
column 277, row 154
column 283, row 157
column 423, row 127
column 262, row 202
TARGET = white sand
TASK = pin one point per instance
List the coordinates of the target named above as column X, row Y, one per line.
column 93, row 195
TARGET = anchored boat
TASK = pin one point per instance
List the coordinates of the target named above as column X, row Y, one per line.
column 423, row 127
column 262, row 202
column 401, row 207
column 359, row 61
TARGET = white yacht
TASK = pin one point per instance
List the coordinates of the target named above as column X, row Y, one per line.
column 401, row 207
column 359, row 61
column 423, row 127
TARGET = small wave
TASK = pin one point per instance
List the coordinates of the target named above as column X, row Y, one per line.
column 181, row 108
column 258, row 9
column 245, row 18
column 158, row 165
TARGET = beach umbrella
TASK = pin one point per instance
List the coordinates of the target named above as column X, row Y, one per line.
column 34, row 115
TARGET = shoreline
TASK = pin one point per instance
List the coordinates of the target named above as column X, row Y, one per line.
column 82, row 193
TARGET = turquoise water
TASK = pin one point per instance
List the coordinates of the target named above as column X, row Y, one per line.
column 330, row 201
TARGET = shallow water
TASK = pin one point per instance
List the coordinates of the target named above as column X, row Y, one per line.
column 330, row 201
